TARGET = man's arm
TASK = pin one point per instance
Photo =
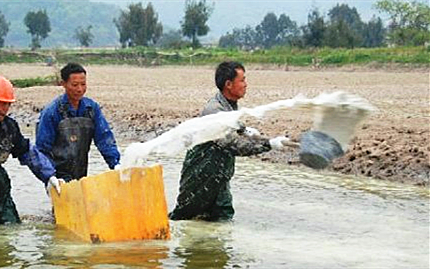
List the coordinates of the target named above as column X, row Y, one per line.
column 104, row 138
column 243, row 145
column 38, row 163
column 29, row 155
column 237, row 142
column 46, row 131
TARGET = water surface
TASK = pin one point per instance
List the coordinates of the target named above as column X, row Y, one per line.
column 285, row 218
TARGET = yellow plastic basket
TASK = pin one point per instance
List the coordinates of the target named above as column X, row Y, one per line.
column 102, row 208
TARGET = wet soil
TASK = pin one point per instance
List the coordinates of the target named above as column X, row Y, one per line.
column 141, row 103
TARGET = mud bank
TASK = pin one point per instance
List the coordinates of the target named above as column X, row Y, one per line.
column 141, row 103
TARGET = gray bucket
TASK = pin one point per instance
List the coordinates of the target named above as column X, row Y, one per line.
column 317, row 149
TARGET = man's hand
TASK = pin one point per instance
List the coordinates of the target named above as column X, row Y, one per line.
column 249, row 131
column 54, row 182
column 278, row 142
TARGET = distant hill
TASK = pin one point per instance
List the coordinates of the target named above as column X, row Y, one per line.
column 65, row 16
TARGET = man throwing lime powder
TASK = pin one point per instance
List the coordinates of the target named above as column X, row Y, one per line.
column 204, row 191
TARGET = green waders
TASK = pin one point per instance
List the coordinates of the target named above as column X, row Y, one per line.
column 204, row 191
column 8, row 212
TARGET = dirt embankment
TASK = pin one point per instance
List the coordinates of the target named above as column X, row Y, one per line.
column 391, row 144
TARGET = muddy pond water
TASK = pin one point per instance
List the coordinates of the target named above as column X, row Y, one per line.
column 285, row 218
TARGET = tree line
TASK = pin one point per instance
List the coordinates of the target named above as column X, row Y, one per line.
column 139, row 25
column 342, row 28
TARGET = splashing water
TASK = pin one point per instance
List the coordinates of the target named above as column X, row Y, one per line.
column 336, row 114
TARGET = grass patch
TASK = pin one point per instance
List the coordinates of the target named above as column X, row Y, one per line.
column 38, row 81
column 149, row 56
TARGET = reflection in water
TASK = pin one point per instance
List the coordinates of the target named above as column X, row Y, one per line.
column 24, row 244
column 5, row 248
column 202, row 244
column 146, row 254
column 29, row 245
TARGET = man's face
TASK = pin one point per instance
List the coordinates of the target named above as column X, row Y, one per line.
column 75, row 86
column 236, row 89
column 4, row 108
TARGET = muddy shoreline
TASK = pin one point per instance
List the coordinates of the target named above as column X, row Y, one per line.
column 384, row 158
column 140, row 103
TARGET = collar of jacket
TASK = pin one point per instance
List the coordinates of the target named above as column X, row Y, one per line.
column 224, row 102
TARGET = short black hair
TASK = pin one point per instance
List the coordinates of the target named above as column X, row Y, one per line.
column 71, row 68
column 226, row 71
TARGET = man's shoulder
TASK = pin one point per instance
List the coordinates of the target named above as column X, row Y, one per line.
column 9, row 120
column 52, row 106
column 214, row 105
column 211, row 108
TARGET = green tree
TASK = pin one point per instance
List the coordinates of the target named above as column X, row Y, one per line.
column 228, row 40
column 273, row 31
column 339, row 35
column 172, row 39
column 194, row 21
column 38, row 26
column 374, row 33
column 138, row 26
column 313, row 31
column 246, row 38
column 4, row 29
column 240, row 38
column 288, row 31
column 344, row 28
column 84, row 35
column 410, row 21
column 268, row 30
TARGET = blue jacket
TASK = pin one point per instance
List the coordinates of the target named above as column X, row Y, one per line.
column 50, row 117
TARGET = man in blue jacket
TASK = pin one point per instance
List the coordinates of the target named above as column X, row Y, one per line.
column 12, row 142
column 69, row 124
